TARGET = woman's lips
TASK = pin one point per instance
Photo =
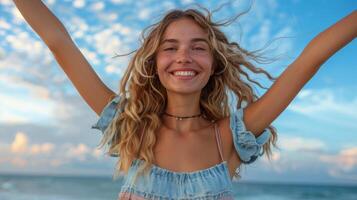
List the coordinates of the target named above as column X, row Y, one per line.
column 184, row 75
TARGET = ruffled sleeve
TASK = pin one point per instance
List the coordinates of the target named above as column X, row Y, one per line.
column 107, row 115
column 248, row 147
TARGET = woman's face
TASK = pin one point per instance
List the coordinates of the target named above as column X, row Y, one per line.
column 184, row 58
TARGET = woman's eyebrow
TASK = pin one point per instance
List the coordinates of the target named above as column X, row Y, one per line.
column 199, row 40
column 192, row 40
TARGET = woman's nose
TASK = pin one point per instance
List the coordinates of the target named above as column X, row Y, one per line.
column 183, row 56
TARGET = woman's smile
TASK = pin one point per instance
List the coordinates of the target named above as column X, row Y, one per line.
column 184, row 75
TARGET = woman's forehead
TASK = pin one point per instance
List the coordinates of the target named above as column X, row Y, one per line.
column 184, row 29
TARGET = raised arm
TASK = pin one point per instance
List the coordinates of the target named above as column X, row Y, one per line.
column 68, row 56
column 262, row 113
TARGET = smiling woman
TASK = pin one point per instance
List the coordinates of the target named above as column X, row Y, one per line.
column 170, row 124
column 184, row 60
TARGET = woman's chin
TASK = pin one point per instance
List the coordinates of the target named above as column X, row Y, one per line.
column 184, row 91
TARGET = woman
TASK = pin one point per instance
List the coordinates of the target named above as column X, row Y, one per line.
column 172, row 106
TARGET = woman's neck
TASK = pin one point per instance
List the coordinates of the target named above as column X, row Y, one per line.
column 183, row 106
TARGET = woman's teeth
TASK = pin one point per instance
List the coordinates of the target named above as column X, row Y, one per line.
column 184, row 73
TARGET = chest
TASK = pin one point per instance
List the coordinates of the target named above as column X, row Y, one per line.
column 194, row 151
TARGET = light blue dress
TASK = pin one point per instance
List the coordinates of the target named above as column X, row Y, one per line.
column 211, row 183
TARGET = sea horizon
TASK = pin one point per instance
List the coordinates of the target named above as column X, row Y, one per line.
column 106, row 176
column 26, row 186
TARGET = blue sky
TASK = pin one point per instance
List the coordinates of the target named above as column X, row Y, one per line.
column 45, row 125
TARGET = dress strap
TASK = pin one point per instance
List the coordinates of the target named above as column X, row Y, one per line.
column 218, row 139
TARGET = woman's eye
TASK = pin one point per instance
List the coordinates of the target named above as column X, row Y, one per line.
column 169, row 49
column 199, row 48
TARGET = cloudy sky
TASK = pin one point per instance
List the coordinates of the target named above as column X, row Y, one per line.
column 45, row 124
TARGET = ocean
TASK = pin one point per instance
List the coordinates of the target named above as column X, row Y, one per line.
column 25, row 187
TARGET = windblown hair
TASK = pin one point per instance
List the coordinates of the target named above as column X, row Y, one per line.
column 144, row 98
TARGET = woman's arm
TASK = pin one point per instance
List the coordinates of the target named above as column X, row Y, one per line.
column 42, row 20
column 68, row 56
column 262, row 113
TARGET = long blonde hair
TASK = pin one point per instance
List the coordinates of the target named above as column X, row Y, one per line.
column 143, row 97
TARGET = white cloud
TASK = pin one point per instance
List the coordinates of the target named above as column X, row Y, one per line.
column 20, row 42
column 78, row 26
column 118, row 1
column 19, row 109
column 346, row 159
column 17, row 16
column 108, row 18
column 20, row 153
column 80, row 151
column 186, row 1
column 106, row 42
column 168, row 5
column 110, row 69
column 97, row 153
column 79, row 3
column 261, row 29
column 312, row 101
column 19, row 145
column 26, row 78
column 117, row 65
column 287, row 161
column 6, row 2
column 339, row 174
column 57, row 162
column 51, row 2
column 22, row 146
column 19, row 162
column 263, row 35
column 122, row 29
column 98, row 6
column 112, row 16
column 342, row 165
column 144, row 13
column 32, row 48
column 295, row 154
column 42, row 148
column 285, row 45
column 325, row 106
column 90, row 55
column 13, row 118
column 4, row 24
column 295, row 143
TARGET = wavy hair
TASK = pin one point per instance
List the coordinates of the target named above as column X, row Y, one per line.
column 143, row 98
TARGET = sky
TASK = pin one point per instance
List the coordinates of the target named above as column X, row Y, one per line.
column 45, row 126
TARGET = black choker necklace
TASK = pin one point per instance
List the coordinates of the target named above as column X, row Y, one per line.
column 182, row 118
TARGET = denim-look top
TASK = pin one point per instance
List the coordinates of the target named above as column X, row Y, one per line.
column 210, row 183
